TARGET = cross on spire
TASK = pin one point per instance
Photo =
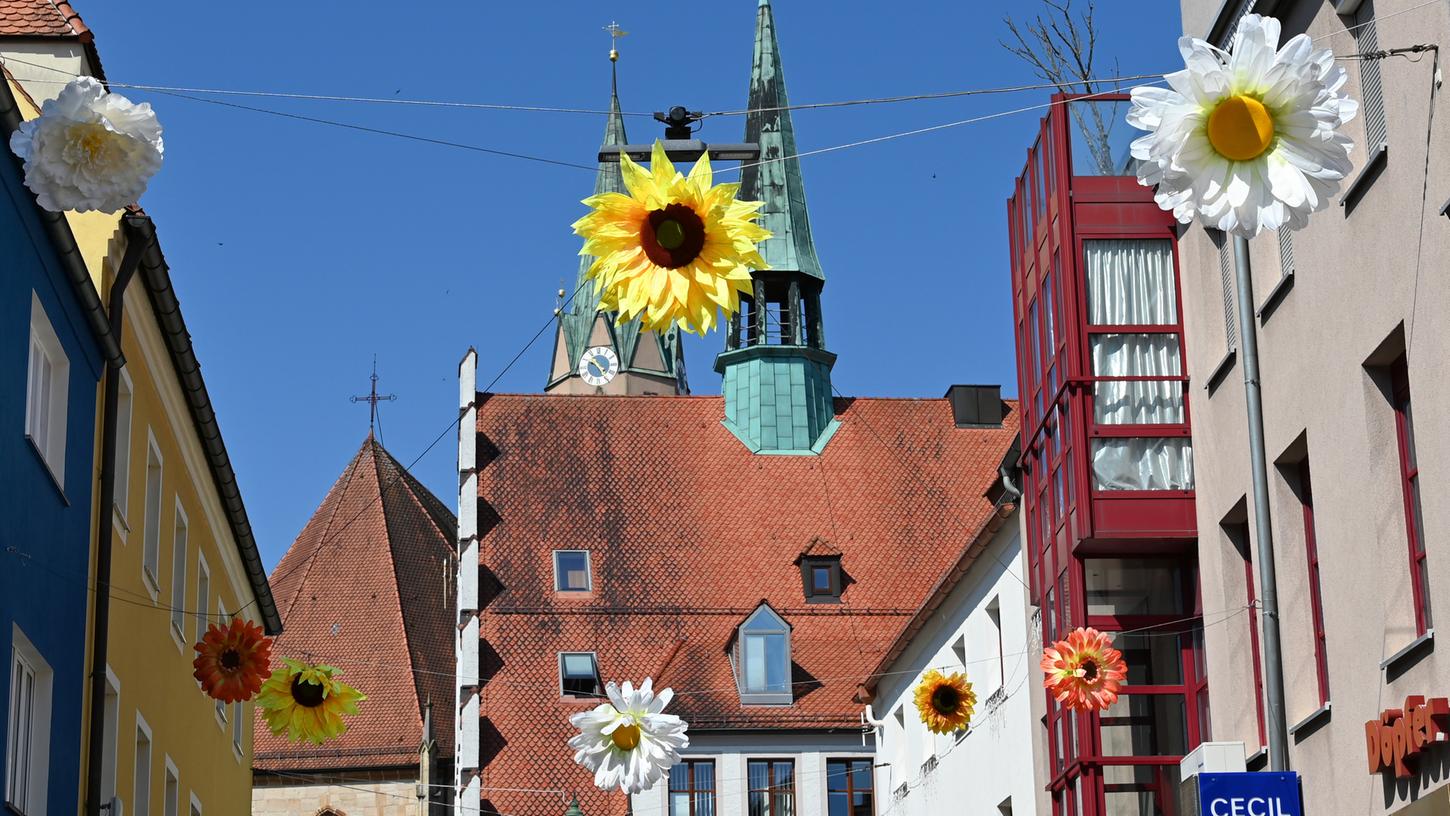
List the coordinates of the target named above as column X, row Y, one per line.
column 373, row 398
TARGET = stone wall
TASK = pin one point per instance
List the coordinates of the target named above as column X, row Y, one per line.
column 355, row 797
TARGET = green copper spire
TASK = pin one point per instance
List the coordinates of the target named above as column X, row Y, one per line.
column 777, row 183
column 579, row 324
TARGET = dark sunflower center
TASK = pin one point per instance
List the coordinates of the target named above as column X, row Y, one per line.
column 672, row 237
column 1089, row 671
column 231, row 660
column 307, row 695
column 945, row 700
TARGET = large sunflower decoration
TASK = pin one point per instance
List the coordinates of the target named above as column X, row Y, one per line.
column 308, row 702
column 628, row 742
column 676, row 250
column 945, row 701
column 1248, row 139
column 1084, row 672
column 232, row 660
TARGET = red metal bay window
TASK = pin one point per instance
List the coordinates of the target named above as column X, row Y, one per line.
column 1410, row 476
column 1316, row 597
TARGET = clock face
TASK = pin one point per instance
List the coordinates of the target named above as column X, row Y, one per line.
column 598, row 365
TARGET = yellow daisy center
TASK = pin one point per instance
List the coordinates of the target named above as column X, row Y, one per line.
column 945, row 700
column 1240, row 128
column 625, row 737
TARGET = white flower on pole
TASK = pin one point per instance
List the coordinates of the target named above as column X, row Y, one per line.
column 628, row 743
column 1249, row 139
column 89, row 149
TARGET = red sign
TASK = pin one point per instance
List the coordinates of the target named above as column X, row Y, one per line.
column 1396, row 739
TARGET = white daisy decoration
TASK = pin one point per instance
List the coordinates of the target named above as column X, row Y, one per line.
column 628, row 743
column 89, row 149
column 1249, row 139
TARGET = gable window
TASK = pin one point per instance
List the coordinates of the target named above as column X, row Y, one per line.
column 579, row 675
column 821, row 577
column 772, row 787
column 692, row 788
column 27, row 738
column 762, row 659
column 46, row 392
column 571, row 571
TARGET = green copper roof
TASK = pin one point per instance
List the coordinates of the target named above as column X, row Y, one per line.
column 578, row 320
column 777, row 183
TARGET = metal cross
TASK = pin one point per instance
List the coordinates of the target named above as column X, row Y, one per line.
column 373, row 398
column 615, row 32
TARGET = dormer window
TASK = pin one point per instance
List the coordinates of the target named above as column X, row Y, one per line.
column 762, row 659
column 579, row 675
column 822, row 578
column 571, row 571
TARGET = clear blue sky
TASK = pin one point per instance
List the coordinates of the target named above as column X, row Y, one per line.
column 300, row 250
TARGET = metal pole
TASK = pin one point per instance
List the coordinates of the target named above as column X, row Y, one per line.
column 1263, row 528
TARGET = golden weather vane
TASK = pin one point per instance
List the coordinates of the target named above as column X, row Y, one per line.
column 615, row 32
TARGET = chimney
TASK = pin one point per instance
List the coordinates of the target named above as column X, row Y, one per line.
column 977, row 406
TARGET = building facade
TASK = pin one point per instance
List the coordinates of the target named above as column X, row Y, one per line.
column 366, row 586
column 1108, row 479
column 757, row 551
column 977, row 620
column 53, row 349
column 1354, row 346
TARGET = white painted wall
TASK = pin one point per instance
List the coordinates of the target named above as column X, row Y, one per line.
column 991, row 763
column 44, row 66
column 732, row 752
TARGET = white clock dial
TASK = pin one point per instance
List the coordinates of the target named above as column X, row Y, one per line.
column 598, row 365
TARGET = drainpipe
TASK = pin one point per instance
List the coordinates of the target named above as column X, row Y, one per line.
column 138, row 238
column 1258, row 464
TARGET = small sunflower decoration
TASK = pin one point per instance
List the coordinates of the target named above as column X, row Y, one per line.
column 945, row 701
column 308, row 702
column 232, row 660
column 676, row 250
column 1084, row 672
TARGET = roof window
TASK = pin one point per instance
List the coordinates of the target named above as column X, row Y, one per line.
column 762, row 659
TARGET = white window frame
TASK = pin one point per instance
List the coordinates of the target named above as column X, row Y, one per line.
column 170, row 789
column 221, row 707
column 203, row 593
column 598, row 680
column 180, row 536
column 110, row 749
column 195, row 805
column 138, row 804
column 151, row 520
column 588, row 574
column 237, row 720
column 46, row 401
column 27, row 796
column 742, row 671
column 125, row 410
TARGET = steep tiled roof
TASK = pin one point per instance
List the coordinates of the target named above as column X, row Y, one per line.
column 688, row 533
column 364, row 588
column 41, row 18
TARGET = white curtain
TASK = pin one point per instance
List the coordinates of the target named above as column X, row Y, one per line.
column 1143, row 463
column 1140, row 402
column 1130, row 282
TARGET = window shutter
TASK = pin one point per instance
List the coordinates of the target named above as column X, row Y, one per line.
column 1372, row 99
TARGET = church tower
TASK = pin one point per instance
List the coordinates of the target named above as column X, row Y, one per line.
column 592, row 354
column 777, row 371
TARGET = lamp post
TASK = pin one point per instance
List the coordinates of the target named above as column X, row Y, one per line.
column 678, row 144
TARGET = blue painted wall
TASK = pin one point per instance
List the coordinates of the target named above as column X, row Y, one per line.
column 45, row 528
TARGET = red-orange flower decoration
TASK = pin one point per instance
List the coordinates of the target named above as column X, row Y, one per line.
column 1084, row 672
column 232, row 661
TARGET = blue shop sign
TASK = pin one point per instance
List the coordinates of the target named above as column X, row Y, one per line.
column 1249, row 794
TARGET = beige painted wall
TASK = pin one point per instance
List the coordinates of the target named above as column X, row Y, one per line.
column 359, row 796
column 1358, row 277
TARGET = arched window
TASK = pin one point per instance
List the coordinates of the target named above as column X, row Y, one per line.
column 762, row 659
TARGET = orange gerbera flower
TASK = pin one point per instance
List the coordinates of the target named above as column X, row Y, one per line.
column 1084, row 672
column 232, row 660
column 945, row 701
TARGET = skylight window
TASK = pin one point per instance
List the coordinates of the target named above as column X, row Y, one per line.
column 579, row 675
column 762, row 659
column 571, row 571
column 821, row 578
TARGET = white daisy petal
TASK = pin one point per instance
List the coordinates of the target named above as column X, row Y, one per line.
column 1283, row 153
column 657, row 738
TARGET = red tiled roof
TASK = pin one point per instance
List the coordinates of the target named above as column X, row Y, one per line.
column 688, row 533
column 41, row 18
column 363, row 588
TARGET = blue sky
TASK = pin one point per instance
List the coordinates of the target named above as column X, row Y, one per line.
column 301, row 250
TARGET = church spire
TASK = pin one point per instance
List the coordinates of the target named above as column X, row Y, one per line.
column 645, row 362
column 777, row 180
column 776, row 369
